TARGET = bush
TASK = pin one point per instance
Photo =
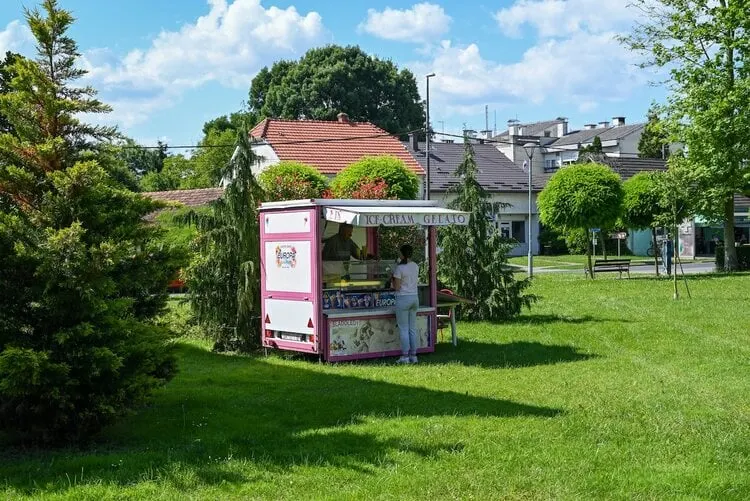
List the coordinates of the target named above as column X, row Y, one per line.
column 552, row 243
column 292, row 181
column 743, row 257
column 401, row 182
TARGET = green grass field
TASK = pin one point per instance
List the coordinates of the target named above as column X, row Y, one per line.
column 605, row 390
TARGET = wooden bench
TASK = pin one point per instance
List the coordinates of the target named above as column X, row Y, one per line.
column 618, row 265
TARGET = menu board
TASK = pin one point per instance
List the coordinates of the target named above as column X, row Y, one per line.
column 338, row 300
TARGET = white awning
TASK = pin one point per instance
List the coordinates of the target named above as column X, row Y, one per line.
column 395, row 216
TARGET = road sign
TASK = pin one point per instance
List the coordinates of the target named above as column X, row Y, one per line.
column 596, row 230
column 620, row 235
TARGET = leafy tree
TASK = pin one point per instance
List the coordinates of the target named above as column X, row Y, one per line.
column 591, row 152
column 334, row 79
column 139, row 160
column 175, row 173
column 402, row 183
column 705, row 45
column 641, row 205
column 654, row 141
column 473, row 260
column 678, row 193
column 80, row 271
column 211, row 157
column 234, row 122
column 581, row 196
column 225, row 275
column 292, row 181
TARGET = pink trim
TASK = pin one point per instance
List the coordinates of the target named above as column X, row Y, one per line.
column 432, row 243
column 303, row 235
column 281, row 344
column 379, row 354
column 313, row 296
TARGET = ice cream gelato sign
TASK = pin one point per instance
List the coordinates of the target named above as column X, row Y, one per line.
column 397, row 218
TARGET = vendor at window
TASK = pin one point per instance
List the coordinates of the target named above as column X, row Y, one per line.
column 340, row 247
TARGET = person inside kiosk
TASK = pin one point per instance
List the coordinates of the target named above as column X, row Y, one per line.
column 341, row 247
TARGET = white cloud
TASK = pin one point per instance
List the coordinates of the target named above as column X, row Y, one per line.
column 556, row 18
column 422, row 23
column 16, row 37
column 228, row 45
column 582, row 70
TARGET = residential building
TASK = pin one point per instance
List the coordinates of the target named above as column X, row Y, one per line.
column 329, row 146
column 505, row 181
column 511, row 142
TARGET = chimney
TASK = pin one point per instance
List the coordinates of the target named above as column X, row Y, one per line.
column 343, row 118
column 589, row 126
column 414, row 141
column 513, row 126
column 562, row 127
column 618, row 121
column 603, row 125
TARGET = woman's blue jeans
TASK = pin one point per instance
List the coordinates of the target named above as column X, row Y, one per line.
column 406, row 319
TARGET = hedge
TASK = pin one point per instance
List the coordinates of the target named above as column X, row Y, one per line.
column 743, row 256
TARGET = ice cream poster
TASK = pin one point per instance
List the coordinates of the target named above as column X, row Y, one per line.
column 372, row 335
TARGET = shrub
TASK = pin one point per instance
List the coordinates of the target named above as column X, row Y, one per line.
column 552, row 242
column 401, row 182
column 292, row 181
column 743, row 257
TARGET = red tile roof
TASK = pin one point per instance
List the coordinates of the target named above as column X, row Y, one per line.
column 189, row 198
column 330, row 146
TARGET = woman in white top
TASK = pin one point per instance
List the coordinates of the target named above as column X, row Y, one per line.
column 405, row 278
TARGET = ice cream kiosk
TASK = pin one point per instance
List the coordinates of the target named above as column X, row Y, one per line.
column 336, row 302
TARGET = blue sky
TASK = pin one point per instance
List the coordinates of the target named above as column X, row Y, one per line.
column 166, row 66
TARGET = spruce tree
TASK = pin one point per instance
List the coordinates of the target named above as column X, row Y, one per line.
column 80, row 272
column 473, row 261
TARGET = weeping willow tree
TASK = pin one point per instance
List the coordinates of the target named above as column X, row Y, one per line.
column 224, row 277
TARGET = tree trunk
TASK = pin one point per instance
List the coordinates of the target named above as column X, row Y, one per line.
column 604, row 244
column 588, row 253
column 656, row 251
column 730, row 251
column 674, row 262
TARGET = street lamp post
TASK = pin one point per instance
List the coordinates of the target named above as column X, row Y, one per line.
column 530, row 147
column 427, row 135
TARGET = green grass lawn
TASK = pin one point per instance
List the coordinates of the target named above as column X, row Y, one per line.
column 605, row 390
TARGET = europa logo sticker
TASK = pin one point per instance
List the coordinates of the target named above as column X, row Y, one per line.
column 286, row 256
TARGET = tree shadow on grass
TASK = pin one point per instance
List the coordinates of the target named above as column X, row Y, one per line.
column 541, row 318
column 269, row 414
column 507, row 355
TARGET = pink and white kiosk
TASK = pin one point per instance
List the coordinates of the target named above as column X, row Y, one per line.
column 342, row 309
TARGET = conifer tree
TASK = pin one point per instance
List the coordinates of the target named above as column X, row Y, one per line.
column 80, row 273
column 225, row 276
column 473, row 261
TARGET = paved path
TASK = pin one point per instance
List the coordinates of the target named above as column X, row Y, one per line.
column 689, row 267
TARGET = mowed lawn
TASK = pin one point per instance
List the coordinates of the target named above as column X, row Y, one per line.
column 605, row 390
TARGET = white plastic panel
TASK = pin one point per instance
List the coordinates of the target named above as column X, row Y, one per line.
column 289, row 316
column 288, row 266
column 287, row 222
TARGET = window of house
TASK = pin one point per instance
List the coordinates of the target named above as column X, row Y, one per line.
column 504, row 229
column 519, row 231
column 547, row 133
column 550, row 165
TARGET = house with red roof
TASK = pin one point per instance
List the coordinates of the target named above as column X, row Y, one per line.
column 329, row 146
